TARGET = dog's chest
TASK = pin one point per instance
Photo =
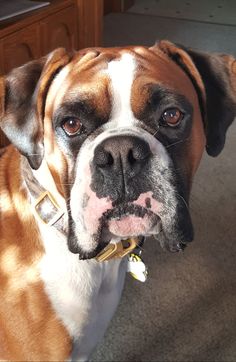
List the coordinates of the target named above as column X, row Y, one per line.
column 84, row 294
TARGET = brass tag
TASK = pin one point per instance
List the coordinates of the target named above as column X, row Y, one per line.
column 118, row 250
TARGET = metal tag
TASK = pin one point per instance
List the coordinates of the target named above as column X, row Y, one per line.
column 137, row 268
column 118, row 250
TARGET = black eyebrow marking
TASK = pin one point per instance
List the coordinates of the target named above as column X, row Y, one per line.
column 163, row 95
column 83, row 109
column 161, row 98
column 74, row 108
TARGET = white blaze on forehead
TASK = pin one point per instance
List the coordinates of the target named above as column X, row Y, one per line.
column 121, row 72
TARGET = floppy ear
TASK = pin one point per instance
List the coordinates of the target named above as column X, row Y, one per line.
column 214, row 78
column 22, row 99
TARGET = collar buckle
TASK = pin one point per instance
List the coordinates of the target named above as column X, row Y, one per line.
column 118, row 250
column 47, row 209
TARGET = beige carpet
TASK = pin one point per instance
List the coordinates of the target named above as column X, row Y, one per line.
column 186, row 311
column 210, row 11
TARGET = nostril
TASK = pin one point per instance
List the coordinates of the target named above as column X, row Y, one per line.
column 110, row 160
column 121, row 152
column 131, row 158
column 141, row 152
column 103, row 158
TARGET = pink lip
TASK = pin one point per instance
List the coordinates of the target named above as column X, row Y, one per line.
column 129, row 226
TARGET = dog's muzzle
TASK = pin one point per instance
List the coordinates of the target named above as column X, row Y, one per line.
column 128, row 192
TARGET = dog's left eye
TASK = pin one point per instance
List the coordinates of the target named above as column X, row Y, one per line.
column 72, row 126
column 171, row 117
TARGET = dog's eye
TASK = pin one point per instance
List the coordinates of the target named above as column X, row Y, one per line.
column 72, row 126
column 171, row 117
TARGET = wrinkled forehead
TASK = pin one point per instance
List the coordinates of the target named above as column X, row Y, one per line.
column 95, row 76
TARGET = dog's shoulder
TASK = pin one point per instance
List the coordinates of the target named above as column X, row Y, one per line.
column 10, row 173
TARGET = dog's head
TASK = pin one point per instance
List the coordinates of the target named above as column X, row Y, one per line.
column 122, row 131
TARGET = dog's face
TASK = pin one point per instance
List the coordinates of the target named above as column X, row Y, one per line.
column 123, row 132
column 132, row 135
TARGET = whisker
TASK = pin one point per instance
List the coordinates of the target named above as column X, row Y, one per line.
column 34, row 154
column 155, row 133
column 176, row 143
column 140, row 247
column 183, row 199
column 64, row 183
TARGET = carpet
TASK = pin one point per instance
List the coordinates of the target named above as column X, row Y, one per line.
column 210, row 11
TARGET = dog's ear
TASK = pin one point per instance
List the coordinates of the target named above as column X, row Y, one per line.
column 214, row 78
column 22, row 99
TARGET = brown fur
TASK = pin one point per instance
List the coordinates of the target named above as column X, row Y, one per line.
column 23, row 301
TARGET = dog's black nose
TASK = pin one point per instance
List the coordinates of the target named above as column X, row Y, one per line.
column 126, row 154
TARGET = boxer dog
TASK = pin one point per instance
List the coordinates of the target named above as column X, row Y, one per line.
column 105, row 144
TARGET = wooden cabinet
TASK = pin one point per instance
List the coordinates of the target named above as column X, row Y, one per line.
column 59, row 30
column 117, row 6
column 90, row 13
column 36, row 33
column 72, row 24
column 20, row 47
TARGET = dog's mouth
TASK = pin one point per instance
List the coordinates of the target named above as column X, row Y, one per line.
column 103, row 222
column 122, row 223
column 129, row 221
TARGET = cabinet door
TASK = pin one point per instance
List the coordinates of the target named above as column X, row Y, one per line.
column 59, row 30
column 90, row 15
column 20, row 47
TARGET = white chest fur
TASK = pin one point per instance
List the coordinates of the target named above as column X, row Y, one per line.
column 84, row 294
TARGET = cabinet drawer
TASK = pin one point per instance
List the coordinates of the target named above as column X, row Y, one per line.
column 59, row 30
column 20, row 47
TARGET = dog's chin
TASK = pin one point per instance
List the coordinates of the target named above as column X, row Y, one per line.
column 117, row 226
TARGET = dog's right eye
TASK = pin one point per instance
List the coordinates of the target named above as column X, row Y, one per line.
column 72, row 127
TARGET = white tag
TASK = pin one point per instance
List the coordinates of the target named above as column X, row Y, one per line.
column 137, row 268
